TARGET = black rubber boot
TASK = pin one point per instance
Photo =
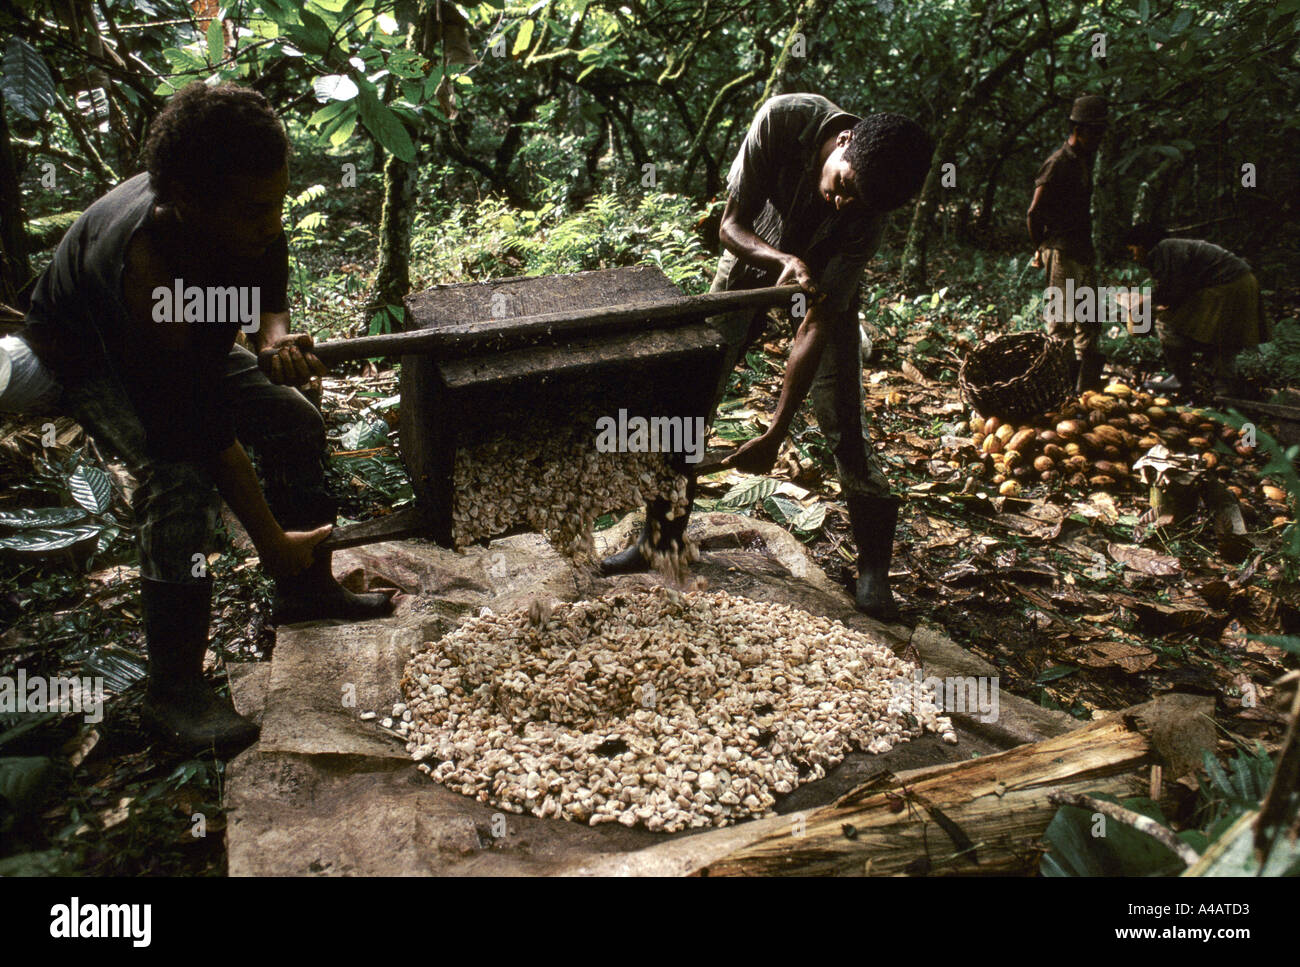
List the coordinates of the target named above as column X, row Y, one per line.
column 873, row 520
column 179, row 705
column 1073, row 361
column 658, row 533
column 315, row 595
column 1090, row 367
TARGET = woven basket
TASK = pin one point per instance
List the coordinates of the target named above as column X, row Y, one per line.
column 1019, row 375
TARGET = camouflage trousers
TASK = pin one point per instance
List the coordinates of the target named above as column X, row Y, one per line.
column 1060, row 270
column 836, row 391
column 176, row 504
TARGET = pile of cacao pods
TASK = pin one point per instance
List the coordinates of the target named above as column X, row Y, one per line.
column 1092, row 442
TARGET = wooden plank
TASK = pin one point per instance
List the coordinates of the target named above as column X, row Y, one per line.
column 391, row 527
column 998, row 804
column 583, row 355
column 469, row 303
column 499, row 335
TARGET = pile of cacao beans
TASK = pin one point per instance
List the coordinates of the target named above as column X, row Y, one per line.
column 1092, row 442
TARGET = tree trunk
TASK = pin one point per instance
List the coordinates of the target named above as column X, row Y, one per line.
column 1012, row 142
column 393, row 271
column 1108, row 220
column 985, row 220
column 971, row 101
column 982, row 816
column 805, row 20
column 14, row 270
column 1152, row 190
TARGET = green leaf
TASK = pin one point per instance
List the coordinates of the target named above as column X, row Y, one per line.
column 317, row 31
column 47, row 540
column 334, row 87
column 749, row 492
column 407, row 63
column 50, row 862
column 782, row 509
column 185, row 61
column 1122, row 851
column 27, row 86
column 1055, row 672
column 328, row 113
column 36, row 517
column 811, row 518
column 384, row 125
column 1218, row 778
column 91, row 488
column 736, row 431
column 341, row 129
column 386, row 320
column 365, row 435
column 523, row 38
column 1181, row 23
column 310, row 222
column 309, row 194
column 1233, row 853
column 216, row 42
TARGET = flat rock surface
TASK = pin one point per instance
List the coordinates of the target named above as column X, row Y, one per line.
column 325, row 792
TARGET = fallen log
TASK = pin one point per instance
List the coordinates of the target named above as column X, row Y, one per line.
column 980, row 817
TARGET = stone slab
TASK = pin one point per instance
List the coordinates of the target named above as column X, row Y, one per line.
column 326, row 793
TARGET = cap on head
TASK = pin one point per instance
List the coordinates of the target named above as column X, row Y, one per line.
column 1089, row 109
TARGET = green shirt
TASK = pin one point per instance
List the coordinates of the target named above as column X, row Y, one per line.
column 778, row 172
column 1183, row 266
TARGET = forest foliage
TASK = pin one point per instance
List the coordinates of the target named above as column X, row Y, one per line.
column 547, row 105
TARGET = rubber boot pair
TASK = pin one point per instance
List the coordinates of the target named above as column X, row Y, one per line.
column 874, row 520
column 315, row 595
column 659, row 533
column 179, row 705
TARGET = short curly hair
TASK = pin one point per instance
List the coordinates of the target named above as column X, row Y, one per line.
column 205, row 134
column 891, row 153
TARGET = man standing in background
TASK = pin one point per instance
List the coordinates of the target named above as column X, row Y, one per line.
column 1060, row 229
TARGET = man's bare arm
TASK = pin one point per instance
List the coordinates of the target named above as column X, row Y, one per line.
column 737, row 236
column 1034, row 217
column 1034, row 220
column 759, row 454
column 282, row 553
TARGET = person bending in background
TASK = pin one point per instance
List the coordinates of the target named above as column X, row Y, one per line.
column 174, row 399
column 1207, row 305
column 809, row 193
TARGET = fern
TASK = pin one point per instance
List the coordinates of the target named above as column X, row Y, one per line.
column 492, row 239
